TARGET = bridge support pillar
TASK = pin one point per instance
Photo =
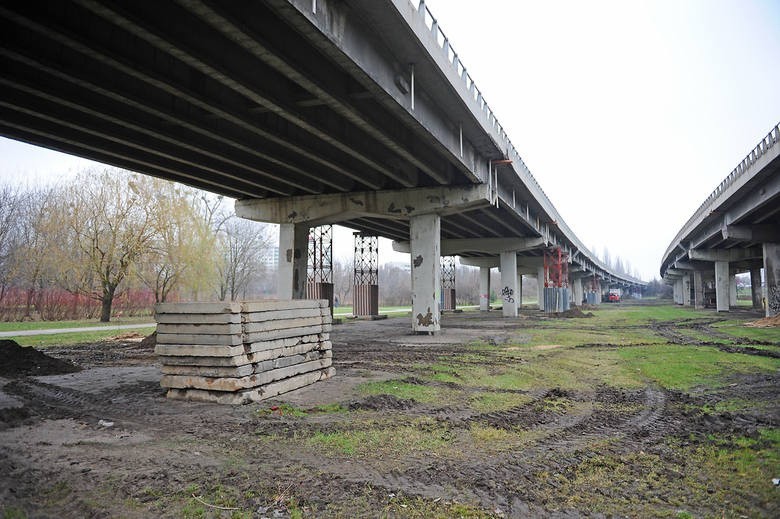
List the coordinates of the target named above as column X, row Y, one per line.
column 698, row 290
column 540, row 284
column 755, row 287
column 578, row 294
column 722, row 286
column 425, row 247
column 732, row 289
column 686, row 290
column 293, row 255
column 772, row 277
column 484, row 289
column 509, row 283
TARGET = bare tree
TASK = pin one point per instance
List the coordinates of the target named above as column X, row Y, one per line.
column 241, row 243
column 10, row 202
column 107, row 226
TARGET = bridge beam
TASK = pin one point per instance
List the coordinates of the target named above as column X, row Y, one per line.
column 727, row 255
column 751, row 233
column 451, row 247
column 393, row 204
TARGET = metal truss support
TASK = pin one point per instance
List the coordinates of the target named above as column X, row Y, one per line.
column 448, row 283
column 556, row 280
column 319, row 272
column 366, row 279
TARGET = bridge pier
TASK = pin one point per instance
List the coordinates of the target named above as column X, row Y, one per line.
column 448, row 302
column 484, row 289
column 698, row 290
column 732, row 288
column 577, row 291
column 293, row 255
column 425, row 246
column 509, row 283
column 686, row 290
column 722, row 286
column 772, row 277
column 755, row 287
column 540, row 283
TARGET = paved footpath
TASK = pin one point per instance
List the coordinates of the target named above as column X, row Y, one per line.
column 52, row 331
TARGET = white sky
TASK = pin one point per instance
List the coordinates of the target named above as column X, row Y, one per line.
column 628, row 113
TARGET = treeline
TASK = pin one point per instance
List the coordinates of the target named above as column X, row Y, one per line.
column 112, row 237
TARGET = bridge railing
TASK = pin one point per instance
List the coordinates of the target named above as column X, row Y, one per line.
column 756, row 153
column 525, row 174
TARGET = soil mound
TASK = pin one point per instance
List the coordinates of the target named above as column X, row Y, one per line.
column 17, row 361
column 150, row 341
column 766, row 322
column 573, row 312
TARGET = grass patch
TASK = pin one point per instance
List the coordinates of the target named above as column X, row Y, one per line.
column 407, row 391
column 486, row 402
column 66, row 339
column 85, row 323
column 384, row 441
column 682, row 367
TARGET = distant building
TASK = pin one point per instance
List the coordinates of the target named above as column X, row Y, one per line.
column 269, row 258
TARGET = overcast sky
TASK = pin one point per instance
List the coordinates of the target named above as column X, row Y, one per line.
column 628, row 113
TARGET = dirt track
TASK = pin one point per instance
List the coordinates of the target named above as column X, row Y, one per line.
column 56, row 459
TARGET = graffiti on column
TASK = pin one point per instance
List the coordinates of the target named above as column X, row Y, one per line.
column 773, row 300
column 508, row 294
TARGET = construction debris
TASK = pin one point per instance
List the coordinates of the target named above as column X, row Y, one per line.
column 236, row 353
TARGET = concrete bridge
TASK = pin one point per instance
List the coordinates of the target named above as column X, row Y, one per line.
column 309, row 112
column 735, row 230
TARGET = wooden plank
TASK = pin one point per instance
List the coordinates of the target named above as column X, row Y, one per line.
column 252, row 395
column 283, row 324
column 217, row 307
column 279, row 304
column 197, row 339
column 199, row 350
column 236, row 384
column 198, row 318
column 201, row 329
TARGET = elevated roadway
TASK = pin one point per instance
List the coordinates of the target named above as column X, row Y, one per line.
column 736, row 229
column 308, row 112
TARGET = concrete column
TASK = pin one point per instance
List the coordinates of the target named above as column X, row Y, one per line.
column 484, row 289
column 293, row 256
column 509, row 283
column 519, row 297
column 772, row 278
column 732, row 289
column 698, row 290
column 577, row 290
column 755, row 287
column 425, row 247
column 722, row 286
column 686, row 290
column 540, row 282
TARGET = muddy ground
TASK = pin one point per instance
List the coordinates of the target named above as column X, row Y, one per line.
column 104, row 442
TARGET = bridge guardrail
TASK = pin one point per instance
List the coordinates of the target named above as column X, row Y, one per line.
column 756, row 153
column 524, row 172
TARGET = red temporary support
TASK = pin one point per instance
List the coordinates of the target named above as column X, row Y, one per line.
column 556, row 268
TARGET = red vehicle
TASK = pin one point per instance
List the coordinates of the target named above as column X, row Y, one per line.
column 614, row 298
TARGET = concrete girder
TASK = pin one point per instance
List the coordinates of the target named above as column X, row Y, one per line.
column 751, row 233
column 335, row 208
column 491, row 262
column 453, row 247
column 727, row 255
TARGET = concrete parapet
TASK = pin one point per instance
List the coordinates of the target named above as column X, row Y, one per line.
column 237, row 353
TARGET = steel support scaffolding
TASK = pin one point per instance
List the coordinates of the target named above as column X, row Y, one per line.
column 366, row 279
column 448, row 283
column 556, row 280
column 319, row 271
